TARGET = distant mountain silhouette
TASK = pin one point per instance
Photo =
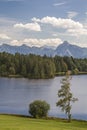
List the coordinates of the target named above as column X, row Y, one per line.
column 64, row 49
column 67, row 49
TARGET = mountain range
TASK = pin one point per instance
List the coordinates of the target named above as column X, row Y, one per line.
column 64, row 49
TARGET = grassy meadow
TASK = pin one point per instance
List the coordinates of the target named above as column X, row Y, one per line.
column 9, row 122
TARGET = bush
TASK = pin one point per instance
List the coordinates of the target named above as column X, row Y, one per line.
column 39, row 108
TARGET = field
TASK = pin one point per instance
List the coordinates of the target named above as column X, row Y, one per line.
column 9, row 122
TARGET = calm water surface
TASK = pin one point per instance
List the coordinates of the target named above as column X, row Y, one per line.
column 16, row 94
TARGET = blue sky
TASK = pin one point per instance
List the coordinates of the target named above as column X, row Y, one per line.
column 43, row 22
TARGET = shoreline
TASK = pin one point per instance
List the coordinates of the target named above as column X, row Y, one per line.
column 56, row 75
column 47, row 118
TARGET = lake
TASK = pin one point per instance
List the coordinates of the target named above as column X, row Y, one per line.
column 17, row 93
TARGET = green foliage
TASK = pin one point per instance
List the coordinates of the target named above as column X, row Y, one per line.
column 39, row 108
column 66, row 97
column 12, row 70
column 75, row 71
column 30, row 66
column 33, row 66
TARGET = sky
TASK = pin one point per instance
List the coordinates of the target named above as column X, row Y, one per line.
column 43, row 22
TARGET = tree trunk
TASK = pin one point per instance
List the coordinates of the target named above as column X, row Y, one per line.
column 69, row 117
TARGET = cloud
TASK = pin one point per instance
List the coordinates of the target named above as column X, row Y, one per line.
column 4, row 36
column 59, row 22
column 77, row 32
column 59, row 4
column 38, row 42
column 70, row 26
column 72, row 14
column 42, row 42
column 53, row 30
column 29, row 26
column 16, row 42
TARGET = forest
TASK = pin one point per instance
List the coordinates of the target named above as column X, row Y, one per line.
column 36, row 67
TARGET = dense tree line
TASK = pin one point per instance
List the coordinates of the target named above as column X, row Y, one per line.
column 75, row 66
column 30, row 66
column 33, row 66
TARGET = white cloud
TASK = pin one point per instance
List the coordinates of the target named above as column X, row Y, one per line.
column 29, row 26
column 59, row 22
column 4, row 36
column 77, row 32
column 59, row 4
column 70, row 26
column 16, row 43
column 53, row 28
column 38, row 42
column 72, row 14
column 41, row 42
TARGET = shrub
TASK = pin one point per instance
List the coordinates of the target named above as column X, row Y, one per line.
column 39, row 108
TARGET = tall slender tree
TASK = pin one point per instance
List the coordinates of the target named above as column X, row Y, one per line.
column 65, row 96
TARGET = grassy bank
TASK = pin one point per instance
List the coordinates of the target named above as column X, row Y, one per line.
column 8, row 122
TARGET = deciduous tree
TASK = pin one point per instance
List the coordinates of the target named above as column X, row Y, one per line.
column 39, row 108
column 66, row 97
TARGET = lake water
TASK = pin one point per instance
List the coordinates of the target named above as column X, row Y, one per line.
column 17, row 93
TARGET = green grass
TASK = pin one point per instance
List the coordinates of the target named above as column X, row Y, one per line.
column 8, row 122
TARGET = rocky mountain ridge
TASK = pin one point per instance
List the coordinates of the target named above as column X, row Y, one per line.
column 64, row 49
